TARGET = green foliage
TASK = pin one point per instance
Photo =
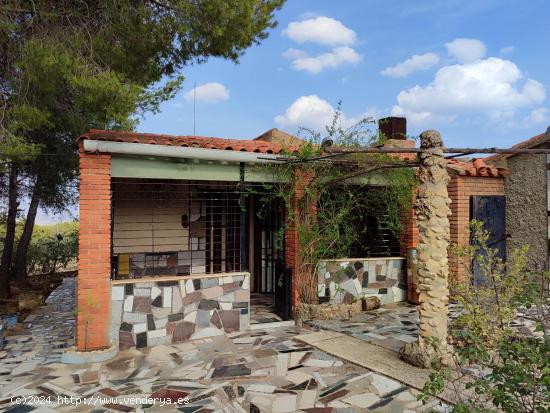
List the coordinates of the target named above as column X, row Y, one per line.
column 325, row 197
column 53, row 247
column 89, row 64
column 501, row 368
column 16, row 150
column 521, row 381
column 67, row 67
column 49, row 252
column 434, row 385
column 78, row 65
column 489, row 306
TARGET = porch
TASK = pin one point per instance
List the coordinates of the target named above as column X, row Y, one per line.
column 186, row 255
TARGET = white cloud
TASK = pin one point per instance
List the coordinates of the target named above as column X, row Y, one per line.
column 212, row 92
column 295, row 54
column 338, row 56
column 537, row 116
column 413, row 64
column 507, row 50
column 493, row 86
column 308, row 112
column 466, row 50
column 309, row 15
column 322, row 30
column 315, row 113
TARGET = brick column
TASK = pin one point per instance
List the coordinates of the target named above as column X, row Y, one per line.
column 291, row 258
column 409, row 234
column 293, row 255
column 94, row 253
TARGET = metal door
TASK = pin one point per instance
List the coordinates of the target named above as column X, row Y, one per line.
column 491, row 211
column 269, row 244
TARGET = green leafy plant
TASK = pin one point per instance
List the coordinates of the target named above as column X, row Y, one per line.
column 489, row 305
column 497, row 367
column 48, row 253
column 325, row 197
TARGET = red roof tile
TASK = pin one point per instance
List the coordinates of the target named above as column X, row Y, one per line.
column 476, row 167
column 190, row 141
column 529, row 143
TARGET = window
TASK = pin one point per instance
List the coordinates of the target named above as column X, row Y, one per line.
column 167, row 228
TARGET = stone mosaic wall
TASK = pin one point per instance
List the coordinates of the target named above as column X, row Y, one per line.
column 163, row 312
column 342, row 281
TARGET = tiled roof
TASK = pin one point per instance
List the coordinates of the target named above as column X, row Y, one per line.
column 280, row 137
column 190, row 141
column 476, row 167
column 529, row 143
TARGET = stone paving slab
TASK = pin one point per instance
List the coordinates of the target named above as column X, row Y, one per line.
column 393, row 325
column 262, row 309
column 372, row 357
column 258, row 371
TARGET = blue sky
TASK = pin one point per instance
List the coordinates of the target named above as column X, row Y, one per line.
column 477, row 71
column 480, row 76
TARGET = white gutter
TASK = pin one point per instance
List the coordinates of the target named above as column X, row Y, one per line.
column 127, row 148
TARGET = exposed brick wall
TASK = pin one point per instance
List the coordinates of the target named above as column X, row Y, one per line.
column 409, row 236
column 94, row 252
column 460, row 189
column 292, row 244
column 291, row 259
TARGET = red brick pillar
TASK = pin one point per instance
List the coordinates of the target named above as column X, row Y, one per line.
column 293, row 256
column 409, row 239
column 409, row 234
column 94, row 253
column 459, row 224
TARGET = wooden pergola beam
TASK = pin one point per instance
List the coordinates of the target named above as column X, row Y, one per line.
column 464, row 151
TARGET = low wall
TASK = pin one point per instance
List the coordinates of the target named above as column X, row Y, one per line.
column 343, row 280
column 175, row 309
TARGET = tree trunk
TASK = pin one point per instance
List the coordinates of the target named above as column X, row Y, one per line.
column 20, row 268
column 7, row 253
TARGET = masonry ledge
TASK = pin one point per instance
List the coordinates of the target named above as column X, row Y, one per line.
column 160, row 278
column 361, row 259
column 74, row 356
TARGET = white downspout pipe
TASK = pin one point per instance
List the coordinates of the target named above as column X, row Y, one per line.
column 127, row 148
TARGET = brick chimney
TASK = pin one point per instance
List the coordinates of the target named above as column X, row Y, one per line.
column 393, row 127
column 394, row 130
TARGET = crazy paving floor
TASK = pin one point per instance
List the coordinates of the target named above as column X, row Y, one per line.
column 389, row 326
column 259, row 371
column 393, row 325
column 262, row 309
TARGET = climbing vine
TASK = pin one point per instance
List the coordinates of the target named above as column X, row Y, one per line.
column 335, row 202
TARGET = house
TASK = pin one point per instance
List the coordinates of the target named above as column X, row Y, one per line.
column 528, row 199
column 172, row 243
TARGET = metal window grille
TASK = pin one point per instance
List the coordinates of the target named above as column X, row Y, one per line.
column 270, row 241
column 174, row 227
column 373, row 236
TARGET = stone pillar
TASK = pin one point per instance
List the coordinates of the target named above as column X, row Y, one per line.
column 431, row 210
